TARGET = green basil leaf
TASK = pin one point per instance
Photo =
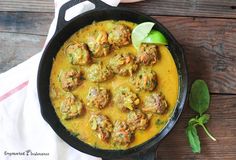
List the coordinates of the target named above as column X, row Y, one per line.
column 192, row 121
column 199, row 98
column 193, row 139
column 204, row 118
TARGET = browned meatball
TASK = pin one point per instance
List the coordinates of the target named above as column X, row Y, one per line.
column 125, row 99
column 155, row 103
column 122, row 135
column 70, row 79
column 71, row 107
column 119, row 35
column 148, row 54
column 123, row 64
column 99, row 73
column 98, row 97
column 78, row 54
column 98, row 44
column 137, row 120
column 102, row 125
column 145, row 79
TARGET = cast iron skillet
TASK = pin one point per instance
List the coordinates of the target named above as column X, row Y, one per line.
column 64, row 30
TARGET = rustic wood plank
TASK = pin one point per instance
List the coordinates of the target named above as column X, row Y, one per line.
column 27, row 5
column 203, row 8
column 16, row 48
column 222, row 125
column 23, row 22
column 208, row 43
column 210, row 49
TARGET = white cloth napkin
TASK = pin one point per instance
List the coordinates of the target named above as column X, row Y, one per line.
column 24, row 134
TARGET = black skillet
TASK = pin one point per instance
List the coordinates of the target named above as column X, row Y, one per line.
column 64, row 29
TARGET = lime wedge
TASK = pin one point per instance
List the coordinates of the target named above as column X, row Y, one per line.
column 140, row 32
column 155, row 37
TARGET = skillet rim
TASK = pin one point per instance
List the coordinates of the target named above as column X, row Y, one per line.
column 81, row 146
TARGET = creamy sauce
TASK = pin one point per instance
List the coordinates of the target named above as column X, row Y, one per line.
column 167, row 84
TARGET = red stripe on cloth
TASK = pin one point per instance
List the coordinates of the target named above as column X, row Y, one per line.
column 14, row 90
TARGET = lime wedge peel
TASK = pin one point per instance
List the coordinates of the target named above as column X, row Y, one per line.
column 140, row 32
column 143, row 33
column 155, row 37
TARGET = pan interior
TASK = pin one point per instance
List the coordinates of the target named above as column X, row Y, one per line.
column 53, row 47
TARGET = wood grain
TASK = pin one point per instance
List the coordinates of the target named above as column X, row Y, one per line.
column 209, row 44
column 16, row 48
column 203, row 8
column 222, row 125
column 210, row 48
column 27, row 5
column 25, row 22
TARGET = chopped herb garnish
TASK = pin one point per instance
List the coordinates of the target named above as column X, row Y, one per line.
column 160, row 122
column 74, row 133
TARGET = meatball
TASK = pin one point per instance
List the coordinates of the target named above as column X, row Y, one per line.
column 102, row 125
column 78, row 54
column 99, row 73
column 71, row 107
column 98, row 97
column 155, row 103
column 70, row 79
column 119, row 35
column 123, row 64
column 137, row 120
column 98, row 44
column 125, row 99
column 122, row 135
column 145, row 79
column 148, row 54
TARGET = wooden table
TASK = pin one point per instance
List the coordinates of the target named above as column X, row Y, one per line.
column 205, row 28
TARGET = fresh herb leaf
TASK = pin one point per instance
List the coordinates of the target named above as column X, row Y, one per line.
column 199, row 97
column 193, row 139
column 204, row 118
column 192, row 122
column 207, row 132
column 199, row 101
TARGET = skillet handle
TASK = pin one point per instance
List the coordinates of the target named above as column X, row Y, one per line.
column 61, row 22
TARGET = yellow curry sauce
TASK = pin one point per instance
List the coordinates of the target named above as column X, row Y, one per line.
column 167, row 84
